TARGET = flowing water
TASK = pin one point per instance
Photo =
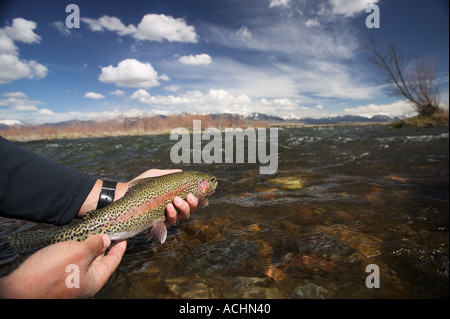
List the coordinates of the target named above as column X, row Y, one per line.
column 342, row 198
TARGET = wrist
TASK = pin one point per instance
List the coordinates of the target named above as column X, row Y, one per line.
column 91, row 200
column 121, row 189
column 90, row 203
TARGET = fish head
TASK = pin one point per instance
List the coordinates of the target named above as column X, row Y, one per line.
column 207, row 184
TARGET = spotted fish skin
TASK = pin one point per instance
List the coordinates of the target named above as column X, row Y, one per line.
column 142, row 207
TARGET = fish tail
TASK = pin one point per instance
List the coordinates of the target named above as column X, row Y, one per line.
column 27, row 240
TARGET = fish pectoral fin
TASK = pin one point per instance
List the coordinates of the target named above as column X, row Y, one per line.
column 159, row 230
column 203, row 201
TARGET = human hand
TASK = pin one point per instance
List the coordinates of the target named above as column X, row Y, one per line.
column 44, row 274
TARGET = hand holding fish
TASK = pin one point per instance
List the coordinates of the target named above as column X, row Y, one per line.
column 39, row 278
column 44, row 274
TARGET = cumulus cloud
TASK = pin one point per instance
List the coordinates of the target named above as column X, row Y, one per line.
column 153, row 27
column 132, row 73
column 22, row 30
column 110, row 24
column 350, row 8
column 398, row 108
column 199, row 59
column 117, row 93
column 278, row 3
column 215, row 101
column 11, row 66
column 93, row 95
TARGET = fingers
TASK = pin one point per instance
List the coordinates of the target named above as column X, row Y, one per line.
column 185, row 208
column 103, row 265
column 192, row 201
column 96, row 245
column 171, row 215
column 112, row 260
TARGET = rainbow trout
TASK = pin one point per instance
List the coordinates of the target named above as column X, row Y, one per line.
column 142, row 208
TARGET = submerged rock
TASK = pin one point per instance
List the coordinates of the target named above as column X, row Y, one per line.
column 288, row 182
column 189, row 288
column 309, row 291
column 224, row 255
column 250, row 287
column 366, row 245
column 323, row 244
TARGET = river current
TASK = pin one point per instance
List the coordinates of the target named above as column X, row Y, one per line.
column 343, row 198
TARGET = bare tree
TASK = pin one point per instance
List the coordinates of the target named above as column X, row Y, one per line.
column 415, row 83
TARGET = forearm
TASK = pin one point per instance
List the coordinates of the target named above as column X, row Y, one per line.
column 91, row 200
column 38, row 189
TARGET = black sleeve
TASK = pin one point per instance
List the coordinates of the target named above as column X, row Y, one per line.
column 37, row 189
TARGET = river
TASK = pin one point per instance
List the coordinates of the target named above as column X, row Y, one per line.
column 342, row 198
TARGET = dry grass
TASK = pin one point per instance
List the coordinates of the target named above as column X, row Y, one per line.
column 438, row 119
column 122, row 126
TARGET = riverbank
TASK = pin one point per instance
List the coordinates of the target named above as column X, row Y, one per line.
column 157, row 125
column 439, row 119
column 135, row 126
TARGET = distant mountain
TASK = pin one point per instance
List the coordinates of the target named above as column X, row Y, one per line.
column 348, row 119
column 254, row 116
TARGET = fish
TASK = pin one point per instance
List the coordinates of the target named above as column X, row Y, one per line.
column 141, row 209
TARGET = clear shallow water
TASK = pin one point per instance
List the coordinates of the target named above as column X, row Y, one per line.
column 342, row 198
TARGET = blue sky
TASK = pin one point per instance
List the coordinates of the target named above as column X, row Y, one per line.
column 290, row 58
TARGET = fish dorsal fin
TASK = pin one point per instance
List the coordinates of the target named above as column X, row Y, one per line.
column 132, row 186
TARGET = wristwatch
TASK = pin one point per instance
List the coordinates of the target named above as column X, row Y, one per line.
column 107, row 194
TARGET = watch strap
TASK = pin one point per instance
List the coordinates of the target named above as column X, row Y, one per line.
column 107, row 194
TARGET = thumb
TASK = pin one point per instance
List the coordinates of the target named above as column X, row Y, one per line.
column 97, row 244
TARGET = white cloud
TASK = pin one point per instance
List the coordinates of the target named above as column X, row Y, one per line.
column 278, row 3
column 350, row 8
column 215, row 101
column 157, row 27
column 45, row 111
column 291, row 38
column 131, row 73
column 244, row 33
column 22, row 30
column 61, row 27
column 117, row 93
column 10, row 122
column 11, row 67
column 312, row 23
column 19, row 101
column 141, row 95
column 398, row 108
column 110, row 24
column 16, row 107
column 93, row 95
column 199, row 59
column 172, row 88
column 153, row 27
